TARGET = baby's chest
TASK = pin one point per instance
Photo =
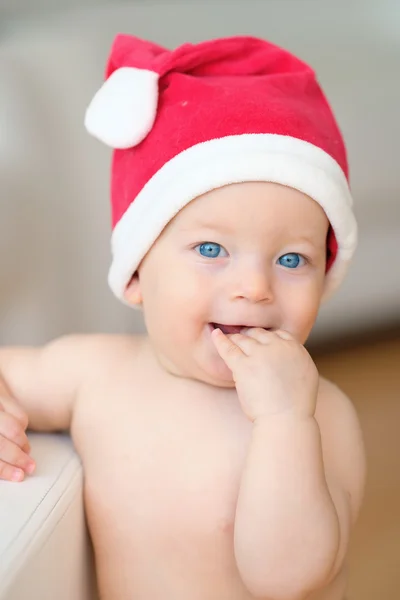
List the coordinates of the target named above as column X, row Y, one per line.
column 173, row 471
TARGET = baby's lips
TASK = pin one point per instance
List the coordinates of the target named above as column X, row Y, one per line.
column 230, row 330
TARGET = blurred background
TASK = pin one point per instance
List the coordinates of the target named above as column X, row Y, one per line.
column 54, row 181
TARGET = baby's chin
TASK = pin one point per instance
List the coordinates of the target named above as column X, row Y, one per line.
column 199, row 363
column 215, row 378
column 211, row 372
column 219, row 375
column 215, row 374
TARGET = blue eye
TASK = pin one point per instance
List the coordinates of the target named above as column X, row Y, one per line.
column 292, row 260
column 211, row 250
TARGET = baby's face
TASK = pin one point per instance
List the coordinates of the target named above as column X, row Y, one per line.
column 245, row 255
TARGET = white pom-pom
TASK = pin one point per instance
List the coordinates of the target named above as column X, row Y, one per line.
column 124, row 109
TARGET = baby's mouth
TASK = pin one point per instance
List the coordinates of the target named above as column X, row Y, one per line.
column 231, row 329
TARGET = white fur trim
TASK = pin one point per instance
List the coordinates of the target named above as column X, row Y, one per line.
column 233, row 159
column 122, row 112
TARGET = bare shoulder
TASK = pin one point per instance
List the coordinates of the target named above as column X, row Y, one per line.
column 97, row 362
column 84, row 357
column 332, row 398
column 335, row 409
column 47, row 380
column 101, row 348
column 342, row 440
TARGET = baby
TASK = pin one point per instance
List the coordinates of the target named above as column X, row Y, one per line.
column 218, row 465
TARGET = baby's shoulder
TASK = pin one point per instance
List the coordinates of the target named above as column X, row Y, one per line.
column 333, row 405
column 328, row 392
column 96, row 352
column 109, row 345
column 338, row 421
column 103, row 362
column 342, row 440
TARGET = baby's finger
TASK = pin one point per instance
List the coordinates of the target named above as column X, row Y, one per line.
column 13, row 408
column 226, row 347
column 12, row 454
column 263, row 336
column 26, row 447
column 12, row 429
column 285, row 335
column 246, row 343
column 10, row 473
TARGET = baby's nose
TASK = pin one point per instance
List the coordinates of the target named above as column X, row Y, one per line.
column 254, row 284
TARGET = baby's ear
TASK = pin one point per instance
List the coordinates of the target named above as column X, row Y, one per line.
column 133, row 294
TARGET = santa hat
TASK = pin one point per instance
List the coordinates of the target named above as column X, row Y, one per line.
column 202, row 116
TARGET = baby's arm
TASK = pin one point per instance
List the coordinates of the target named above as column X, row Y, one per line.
column 301, row 492
column 304, row 473
column 38, row 389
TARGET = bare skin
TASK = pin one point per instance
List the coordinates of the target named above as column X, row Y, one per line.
column 216, row 474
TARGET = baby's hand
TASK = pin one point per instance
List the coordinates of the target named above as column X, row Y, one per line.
column 273, row 373
column 15, row 461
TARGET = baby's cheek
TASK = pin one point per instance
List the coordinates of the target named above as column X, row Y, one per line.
column 191, row 286
column 299, row 312
column 304, row 322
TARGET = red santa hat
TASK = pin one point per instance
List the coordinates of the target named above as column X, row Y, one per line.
column 205, row 115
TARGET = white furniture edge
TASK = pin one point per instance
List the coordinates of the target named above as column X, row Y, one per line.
column 43, row 537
